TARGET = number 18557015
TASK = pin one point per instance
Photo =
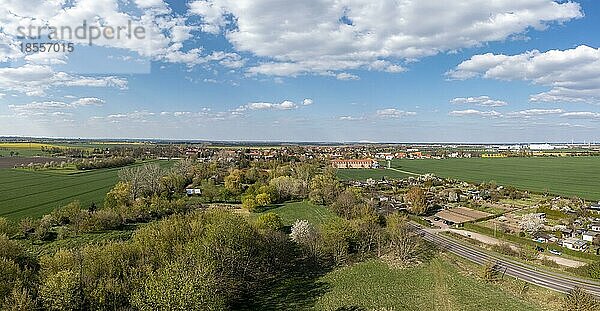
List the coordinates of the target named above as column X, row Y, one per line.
column 47, row 47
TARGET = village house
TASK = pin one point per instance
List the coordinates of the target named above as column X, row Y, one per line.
column 355, row 163
column 589, row 235
column 575, row 244
column 595, row 226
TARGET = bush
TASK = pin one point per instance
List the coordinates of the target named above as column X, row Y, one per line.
column 179, row 287
column 105, row 219
column 489, row 272
column 270, row 221
column 591, row 270
column 9, row 274
column 580, row 300
column 6, row 227
column 61, row 292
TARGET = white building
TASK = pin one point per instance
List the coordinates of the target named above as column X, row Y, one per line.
column 589, row 236
column 575, row 244
column 541, row 147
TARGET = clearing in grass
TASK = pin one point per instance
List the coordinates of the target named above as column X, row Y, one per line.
column 292, row 211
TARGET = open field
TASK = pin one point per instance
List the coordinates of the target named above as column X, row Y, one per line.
column 436, row 285
column 364, row 174
column 315, row 214
column 10, row 162
column 32, row 194
column 568, row 176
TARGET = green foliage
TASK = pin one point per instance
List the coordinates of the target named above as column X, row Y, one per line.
column 179, row 287
column 489, row 272
column 118, row 196
column 324, row 189
column 591, row 270
column 580, row 300
column 61, row 291
column 402, row 242
column 6, row 227
column 270, row 221
column 337, row 237
column 9, row 275
column 417, row 198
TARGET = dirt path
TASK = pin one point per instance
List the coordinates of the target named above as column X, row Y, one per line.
column 404, row 172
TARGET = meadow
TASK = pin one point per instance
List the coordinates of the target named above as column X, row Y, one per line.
column 364, row 174
column 435, row 285
column 567, row 176
column 292, row 211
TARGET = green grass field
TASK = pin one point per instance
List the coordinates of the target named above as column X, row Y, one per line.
column 33, row 194
column 26, row 193
column 364, row 174
column 436, row 285
column 568, row 176
column 292, row 211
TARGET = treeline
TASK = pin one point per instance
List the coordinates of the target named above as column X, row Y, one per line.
column 203, row 260
column 104, row 163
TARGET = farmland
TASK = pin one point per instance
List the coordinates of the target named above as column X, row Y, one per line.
column 364, row 174
column 33, row 194
column 26, row 193
column 568, row 176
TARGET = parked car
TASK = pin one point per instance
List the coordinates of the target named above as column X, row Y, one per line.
column 555, row 252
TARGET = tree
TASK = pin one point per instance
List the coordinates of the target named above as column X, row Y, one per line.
column 270, row 221
column 345, row 203
column 233, row 181
column 287, row 187
column 403, row 243
column 579, row 300
column 179, row 287
column 324, row 188
column 417, row 199
column 209, row 190
column 263, row 199
column 249, row 203
column 303, row 232
column 118, row 196
column 532, row 223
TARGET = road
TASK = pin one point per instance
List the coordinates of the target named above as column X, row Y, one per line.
column 552, row 280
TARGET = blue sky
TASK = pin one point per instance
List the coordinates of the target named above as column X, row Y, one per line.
column 395, row 71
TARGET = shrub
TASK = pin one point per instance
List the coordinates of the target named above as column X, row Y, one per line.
column 270, row 221
column 9, row 274
column 489, row 272
column 61, row 292
column 179, row 287
column 6, row 227
column 580, row 300
column 105, row 219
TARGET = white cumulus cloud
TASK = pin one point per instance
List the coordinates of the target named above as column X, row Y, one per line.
column 572, row 75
